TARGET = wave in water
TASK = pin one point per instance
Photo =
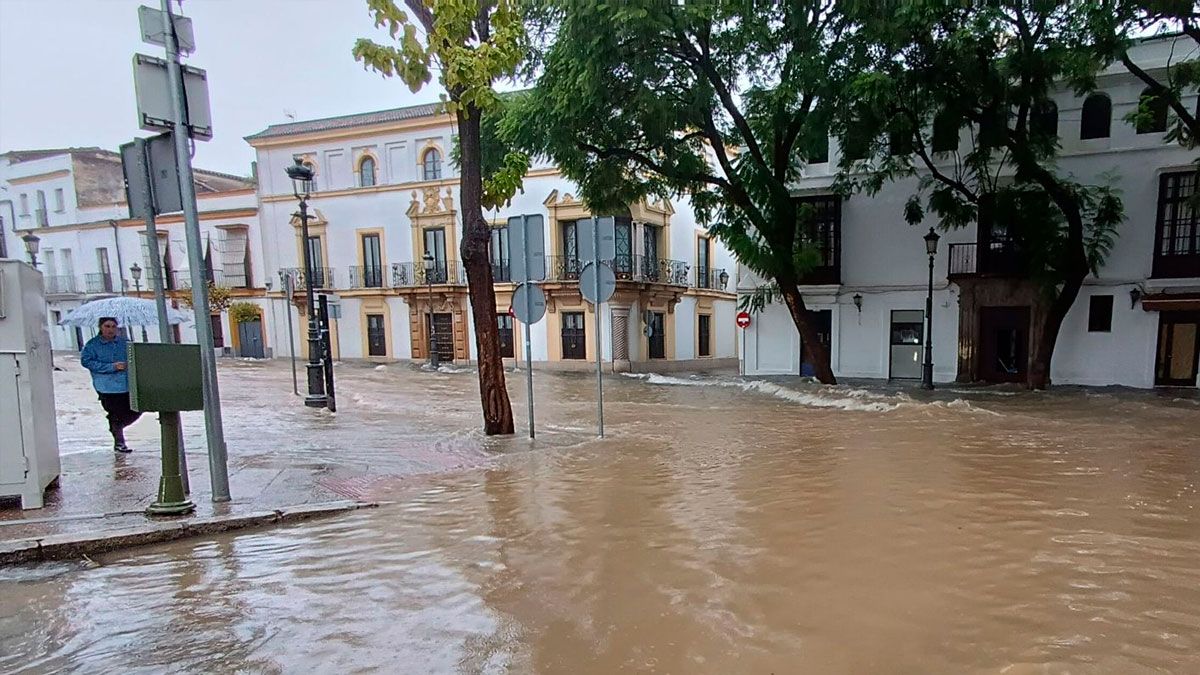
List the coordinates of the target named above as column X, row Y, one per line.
column 834, row 397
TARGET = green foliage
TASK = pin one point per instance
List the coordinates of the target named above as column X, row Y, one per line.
column 504, row 167
column 243, row 312
column 720, row 100
column 218, row 297
column 469, row 43
column 990, row 68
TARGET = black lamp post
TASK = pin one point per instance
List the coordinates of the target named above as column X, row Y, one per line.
column 931, row 242
column 302, row 176
column 135, row 271
column 32, row 242
column 428, row 261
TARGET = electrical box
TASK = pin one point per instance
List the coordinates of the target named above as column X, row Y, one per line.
column 29, row 460
column 165, row 377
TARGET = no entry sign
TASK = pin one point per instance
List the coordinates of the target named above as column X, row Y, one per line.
column 743, row 319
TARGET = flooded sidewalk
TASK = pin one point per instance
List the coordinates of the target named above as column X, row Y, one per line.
column 724, row 525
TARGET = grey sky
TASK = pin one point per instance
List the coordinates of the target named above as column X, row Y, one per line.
column 66, row 74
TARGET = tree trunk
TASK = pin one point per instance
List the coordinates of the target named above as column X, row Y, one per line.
column 1043, row 347
column 476, row 240
column 817, row 353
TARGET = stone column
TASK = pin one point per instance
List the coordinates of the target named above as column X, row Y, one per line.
column 620, row 338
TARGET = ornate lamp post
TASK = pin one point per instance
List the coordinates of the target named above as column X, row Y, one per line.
column 428, row 261
column 32, row 242
column 724, row 279
column 135, row 271
column 302, row 176
column 931, row 242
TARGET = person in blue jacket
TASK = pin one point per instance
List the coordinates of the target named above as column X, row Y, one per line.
column 104, row 356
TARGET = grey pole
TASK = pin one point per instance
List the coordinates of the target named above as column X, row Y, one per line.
column 157, row 284
column 528, row 342
column 217, row 465
column 289, row 291
column 596, row 287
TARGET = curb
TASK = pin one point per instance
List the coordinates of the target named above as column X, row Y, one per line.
column 76, row 545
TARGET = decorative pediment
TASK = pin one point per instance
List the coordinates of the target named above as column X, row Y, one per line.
column 431, row 203
column 315, row 218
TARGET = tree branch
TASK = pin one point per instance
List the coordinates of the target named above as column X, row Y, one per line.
column 1163, row 93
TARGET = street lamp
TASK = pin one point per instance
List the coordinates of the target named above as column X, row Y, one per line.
column 428, row 261
column 31, row 246
column 931, row 242
column 724, row 279
column 135, row 271
column 302, row 176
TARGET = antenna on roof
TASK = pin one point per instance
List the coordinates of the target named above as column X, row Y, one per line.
column 290, row 114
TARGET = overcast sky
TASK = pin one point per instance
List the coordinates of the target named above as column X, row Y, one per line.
column 66, row 74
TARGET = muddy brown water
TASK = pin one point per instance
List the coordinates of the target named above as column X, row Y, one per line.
column 724, row 526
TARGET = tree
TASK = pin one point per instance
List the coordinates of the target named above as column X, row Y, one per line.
column 1124, row 23
column 472, row 43
column 721, row 101
column 219, row 298
column 941, row 66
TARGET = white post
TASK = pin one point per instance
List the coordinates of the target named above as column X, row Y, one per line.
column 596, row 287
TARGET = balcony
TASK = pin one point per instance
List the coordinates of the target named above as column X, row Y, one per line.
column 61, row 285
column 367, row 276
column 444, row 272
column 323, row 278
column 709, row 278
column 997, row 259
column 636, row 268
column 99, row 282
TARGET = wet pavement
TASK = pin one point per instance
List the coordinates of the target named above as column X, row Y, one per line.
column 725, row 525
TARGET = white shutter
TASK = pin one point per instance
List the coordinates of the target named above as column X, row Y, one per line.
column 233, row 258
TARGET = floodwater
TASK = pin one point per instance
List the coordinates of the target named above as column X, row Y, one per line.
column 723, row 526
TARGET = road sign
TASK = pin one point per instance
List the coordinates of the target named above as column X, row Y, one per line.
column 608, row 238
column 529, row 303
column 162, row 194
column 150, row 20
column 153, row 91
column 743, row 319
column 587, row 282
column 527, row 248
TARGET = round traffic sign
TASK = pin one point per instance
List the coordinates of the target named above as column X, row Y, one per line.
column 743, row 319
column 587, row 282
column 529, row 303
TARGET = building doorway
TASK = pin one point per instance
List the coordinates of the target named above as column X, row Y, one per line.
column 823, row 320
column 1003, row 344
column 658, row 337
column 574, row 337
column 250, row 342
column 442, row 335
column 1178, row 349
column 907, row 339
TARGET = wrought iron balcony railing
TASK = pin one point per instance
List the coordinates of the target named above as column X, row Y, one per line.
column 61, row 284
column 99, row 282
column 367, row 276
column 323, row 278
column 710, row 278
column 443, row 272
column 636, row 268
column 989, row 259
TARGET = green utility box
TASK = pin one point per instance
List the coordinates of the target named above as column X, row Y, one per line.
column 165, row 377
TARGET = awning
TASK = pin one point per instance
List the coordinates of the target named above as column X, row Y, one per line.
column 1171, row 302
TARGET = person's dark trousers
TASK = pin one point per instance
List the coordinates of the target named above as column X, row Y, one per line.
column 119, row 415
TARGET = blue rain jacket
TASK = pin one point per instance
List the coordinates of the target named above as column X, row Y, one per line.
column 99, row 356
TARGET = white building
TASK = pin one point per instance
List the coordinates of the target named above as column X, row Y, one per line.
column 1136, row 323
column 73, row 201
column 386, row 194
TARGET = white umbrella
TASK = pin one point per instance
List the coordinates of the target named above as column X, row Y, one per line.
column 127, row 312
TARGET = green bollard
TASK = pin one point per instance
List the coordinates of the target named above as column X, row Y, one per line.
column 172, row 501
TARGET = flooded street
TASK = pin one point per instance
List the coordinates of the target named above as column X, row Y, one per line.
column 723, row 526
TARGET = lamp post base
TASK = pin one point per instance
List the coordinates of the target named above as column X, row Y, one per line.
column 315, row 401
column 927, row 378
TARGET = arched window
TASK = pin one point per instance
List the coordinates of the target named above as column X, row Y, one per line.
column 1096, row 117
column 1152, row 113
column 1044, row 120
column 431, row 164
column 366, row 171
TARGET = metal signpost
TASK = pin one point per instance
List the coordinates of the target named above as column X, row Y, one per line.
column 178, row 103
column 289, row 291
column 597, row 283
column 527, row 256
